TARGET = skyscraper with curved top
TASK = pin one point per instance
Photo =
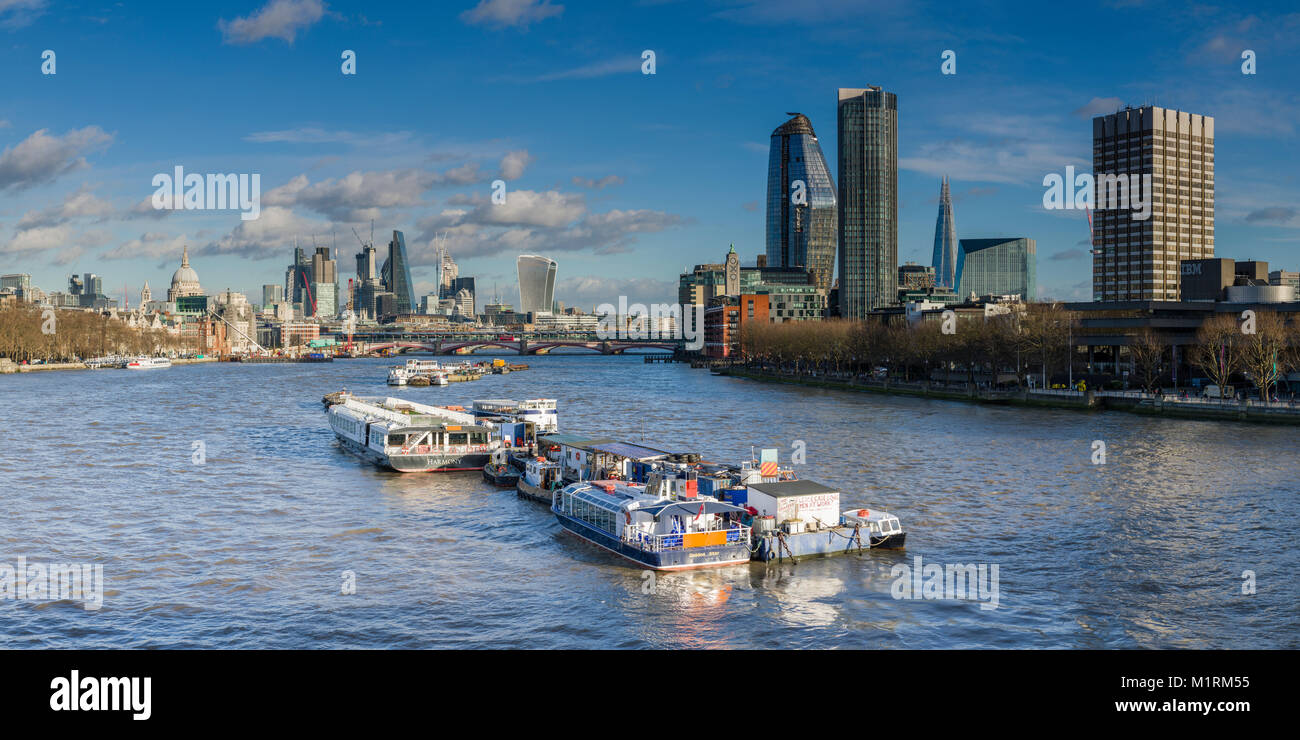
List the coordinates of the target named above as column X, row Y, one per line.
column 945, row 242
column 801, row 219
column 536, row 283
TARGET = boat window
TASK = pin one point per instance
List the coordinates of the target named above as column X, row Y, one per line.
column 456, row 438
column 397, row 440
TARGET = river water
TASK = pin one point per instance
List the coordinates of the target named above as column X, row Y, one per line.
column 249, row 548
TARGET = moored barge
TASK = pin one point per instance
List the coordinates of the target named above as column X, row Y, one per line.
column 661, row 525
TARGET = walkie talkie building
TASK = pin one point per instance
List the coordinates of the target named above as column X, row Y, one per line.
column 536, row 283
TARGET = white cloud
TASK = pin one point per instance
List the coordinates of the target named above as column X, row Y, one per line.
column 279, row 19
column 80, row 203
column 42, row 158
column 507, row 13
column 1098, row 107
column 514, row 163
column 19, row 13
column 268, row 235
column 604, row 182
column 152, row 244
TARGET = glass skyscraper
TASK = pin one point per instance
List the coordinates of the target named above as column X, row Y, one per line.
column 536, row 283
column 998, row 267
column 800, row 234
column 397, row 275
column 945, row 242
column 868, row 199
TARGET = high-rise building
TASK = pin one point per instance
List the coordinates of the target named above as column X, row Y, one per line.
column 945, row 242
column 464, row 302
column 397, row 275
column 368, row 283
column 20, row 283
column 1136, row 258
column 272, row 294
column 297, row 277
column 998, row 267
column 536, row 283
column 801, row 208
column 448, row 273
column 868, row 199
column 466, row 284
column 324, row 285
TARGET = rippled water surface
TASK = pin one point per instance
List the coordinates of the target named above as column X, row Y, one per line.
column 248, row 550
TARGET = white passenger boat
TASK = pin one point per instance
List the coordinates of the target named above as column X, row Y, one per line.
column 429, row 369
column 540, row 411
column 412, row 437
column 148, row 363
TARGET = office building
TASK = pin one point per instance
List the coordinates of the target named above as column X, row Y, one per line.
column 1139, row 259
column 397, row 276
column 868, row 199
column 998, row 267
column 536, row 283
column 801, row 206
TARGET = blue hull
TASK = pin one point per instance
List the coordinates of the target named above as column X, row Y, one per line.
column 696, row 557
column 824, row 542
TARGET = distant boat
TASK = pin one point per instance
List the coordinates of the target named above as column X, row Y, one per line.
column 148, row 363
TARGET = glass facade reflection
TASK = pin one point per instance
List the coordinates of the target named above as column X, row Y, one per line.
column 536, row 283
column 868, row 200
column 945, row 242
column 800, row 234
column 998, row 267
column 397, row 275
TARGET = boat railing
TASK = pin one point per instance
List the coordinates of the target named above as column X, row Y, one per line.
column 434, row 449
column 733, row 535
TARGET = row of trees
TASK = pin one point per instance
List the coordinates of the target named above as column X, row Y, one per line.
column 1018, row 343
column 1262, row 346
column 30, row 333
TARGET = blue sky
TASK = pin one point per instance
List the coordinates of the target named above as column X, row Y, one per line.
column 623, row 178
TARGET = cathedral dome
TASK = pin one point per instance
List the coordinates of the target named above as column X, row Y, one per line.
column 185, row 281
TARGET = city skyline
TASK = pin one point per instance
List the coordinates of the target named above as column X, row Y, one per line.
column 609, row 199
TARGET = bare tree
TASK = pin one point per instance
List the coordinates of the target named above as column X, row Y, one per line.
column 1148, row 353
column 1218, row 350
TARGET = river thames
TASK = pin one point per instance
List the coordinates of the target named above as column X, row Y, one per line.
column 249, row 548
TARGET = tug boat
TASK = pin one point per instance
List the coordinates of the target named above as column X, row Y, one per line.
column 884, row 529
column 539, row 479
column 499, row 473
column 412, row 437
column 148, row 363
column 663, row 524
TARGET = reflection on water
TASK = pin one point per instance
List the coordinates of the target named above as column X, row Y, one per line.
column 249, row 549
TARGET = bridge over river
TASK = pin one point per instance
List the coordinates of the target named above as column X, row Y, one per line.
column 524, row 344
